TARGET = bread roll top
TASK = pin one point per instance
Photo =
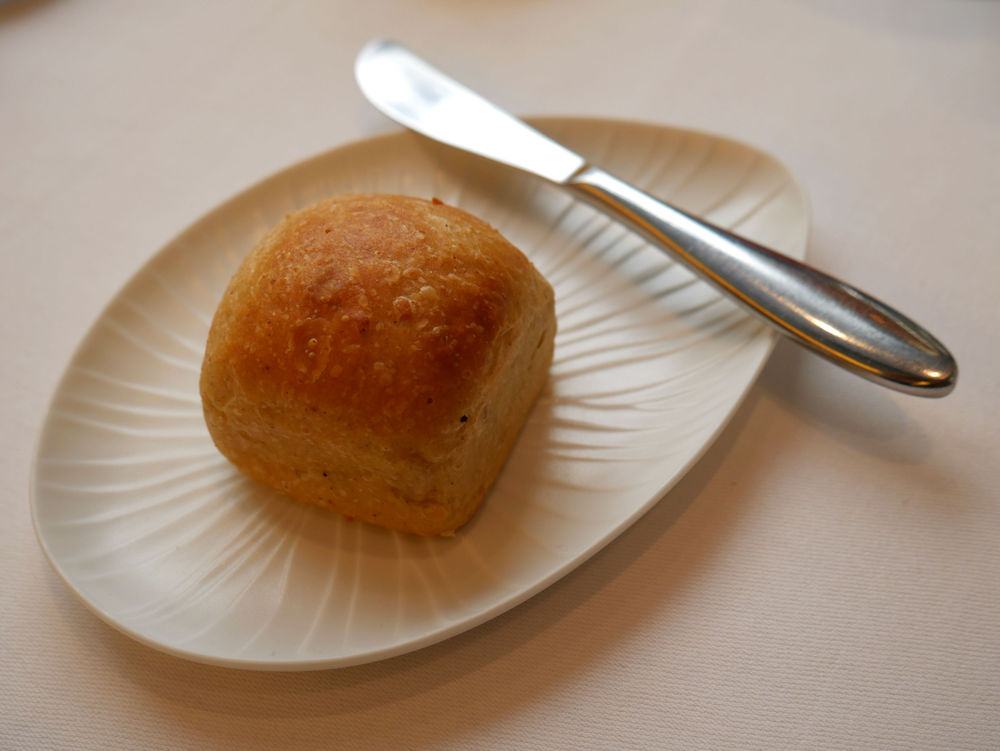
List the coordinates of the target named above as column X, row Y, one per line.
column 395, row 332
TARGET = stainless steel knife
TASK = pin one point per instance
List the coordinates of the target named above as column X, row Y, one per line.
column 839, row 322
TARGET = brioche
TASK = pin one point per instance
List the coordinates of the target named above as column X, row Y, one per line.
column 377, row 355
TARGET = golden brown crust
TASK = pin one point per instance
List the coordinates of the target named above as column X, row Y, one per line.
column 368, row 349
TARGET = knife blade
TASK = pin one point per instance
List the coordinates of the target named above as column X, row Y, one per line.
column 830, row 317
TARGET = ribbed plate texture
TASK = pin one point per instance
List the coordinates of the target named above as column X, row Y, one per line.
column 164, row 539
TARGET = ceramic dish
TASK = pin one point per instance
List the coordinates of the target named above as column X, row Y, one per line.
column 165, row 540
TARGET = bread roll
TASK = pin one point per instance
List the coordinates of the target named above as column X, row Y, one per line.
column 377, row 355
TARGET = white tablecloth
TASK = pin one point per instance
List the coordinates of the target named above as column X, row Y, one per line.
column 828, row 576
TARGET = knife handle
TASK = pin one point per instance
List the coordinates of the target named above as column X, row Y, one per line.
column 841, row 323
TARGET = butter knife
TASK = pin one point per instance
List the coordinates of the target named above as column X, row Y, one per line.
column 828, row 316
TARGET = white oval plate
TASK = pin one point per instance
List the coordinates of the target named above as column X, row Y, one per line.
column 165, row 540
